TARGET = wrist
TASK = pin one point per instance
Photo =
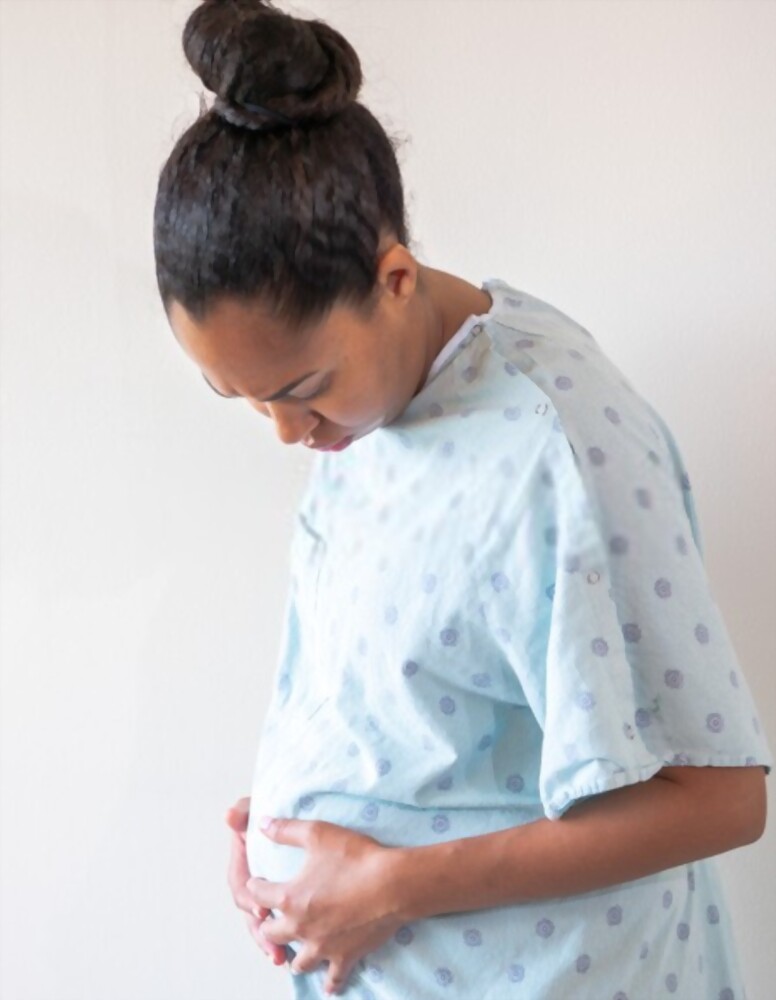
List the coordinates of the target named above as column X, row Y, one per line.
column 409, row 876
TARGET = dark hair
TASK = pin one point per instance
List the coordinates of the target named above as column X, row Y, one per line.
column 250, row 207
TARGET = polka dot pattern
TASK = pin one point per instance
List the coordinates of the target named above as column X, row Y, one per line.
column 498, row 607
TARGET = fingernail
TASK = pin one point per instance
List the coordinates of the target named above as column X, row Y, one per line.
column 264, row 822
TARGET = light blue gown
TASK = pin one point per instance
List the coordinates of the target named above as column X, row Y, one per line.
column 498, row 608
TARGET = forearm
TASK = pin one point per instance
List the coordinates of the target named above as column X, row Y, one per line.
column 607, row 839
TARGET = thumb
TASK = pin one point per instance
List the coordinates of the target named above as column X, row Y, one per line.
column 288, row 831
column 237, row 815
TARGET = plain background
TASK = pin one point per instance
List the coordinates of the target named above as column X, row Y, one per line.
column 614, row 158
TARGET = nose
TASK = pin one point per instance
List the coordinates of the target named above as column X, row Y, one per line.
column 293, row 423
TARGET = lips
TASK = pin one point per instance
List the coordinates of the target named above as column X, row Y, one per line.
column 335, row 447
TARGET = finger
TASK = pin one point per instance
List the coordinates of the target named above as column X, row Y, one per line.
column 337, row 976
column 271, row 895
column 237, row 815
column 307, row 960
column 273, row 951
column 238, row 874
column 296, row 832
column 278, row 930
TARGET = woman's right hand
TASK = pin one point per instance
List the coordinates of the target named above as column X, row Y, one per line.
column 238, row 875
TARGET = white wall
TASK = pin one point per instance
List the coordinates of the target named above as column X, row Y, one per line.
column 615, row 158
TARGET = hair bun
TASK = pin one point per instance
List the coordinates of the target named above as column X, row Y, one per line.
column 248, row 52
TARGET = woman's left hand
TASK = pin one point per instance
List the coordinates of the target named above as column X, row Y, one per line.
column 341, row 905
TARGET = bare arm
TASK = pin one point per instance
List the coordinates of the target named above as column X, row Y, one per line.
column 682, row 814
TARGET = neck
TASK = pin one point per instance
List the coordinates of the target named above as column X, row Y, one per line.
column 450, row 301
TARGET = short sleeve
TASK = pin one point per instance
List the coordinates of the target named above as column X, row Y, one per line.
column 629, row 666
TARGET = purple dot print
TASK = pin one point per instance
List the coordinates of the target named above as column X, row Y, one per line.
column 515, row 973
column 472, row 937
column 469, row 374
column 370, row 811
column 672, row 982
column 435, row 410
column 734, row 678
column 307, row 802
column 618, row 545
column 643, row 718
column 611, row 415
column 600, row 646
column 512, row 413
column 583, row 963
column 631, row 632
column 404, row 935
column 545, row 928
column 447, row 705
column 674, row 678
column 563, row 382
column 663, row 587
column 383, row 766
column 515, row 783
column 691, row 880
column 391, row 614
column 443, row 976
column 596, row 455
column 485, row 742
column 551, row 536
column 643, row 498
column 428, row 582
column 440, row 823
column 511, row 368
column 701, row 634
column 620, row 995
column 577, row 355
column 668, row 898
column 448, row 636
column 571, row 563
column 714, row 722
column 499, row 581
column 525, row 343
column 550, row 591
column 644, row 950
column 681, row 545
column 585, row 700
column 681, row 759
column 653, row 457
column 614, row 916
column 448, row 448
column 353, row 750
column 409, row 668
column 481, row 680
column 683, row 931
column 445, row 783
column 712, row 914
column 726, row 994
column 547, row 478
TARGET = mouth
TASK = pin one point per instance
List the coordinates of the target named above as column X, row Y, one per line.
column 335, row 447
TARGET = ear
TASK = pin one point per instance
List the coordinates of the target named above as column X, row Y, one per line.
column 397, row 273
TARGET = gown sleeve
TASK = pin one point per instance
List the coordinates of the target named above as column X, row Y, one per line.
column 627, row 664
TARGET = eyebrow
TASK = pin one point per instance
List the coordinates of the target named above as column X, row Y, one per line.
column 270, row 399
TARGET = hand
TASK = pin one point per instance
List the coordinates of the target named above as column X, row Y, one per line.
column 238, row 875
column 340, row 906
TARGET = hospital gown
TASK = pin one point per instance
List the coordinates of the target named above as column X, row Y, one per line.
column 498, row 607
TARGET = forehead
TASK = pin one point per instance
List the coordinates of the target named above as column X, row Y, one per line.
column 232, row 329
